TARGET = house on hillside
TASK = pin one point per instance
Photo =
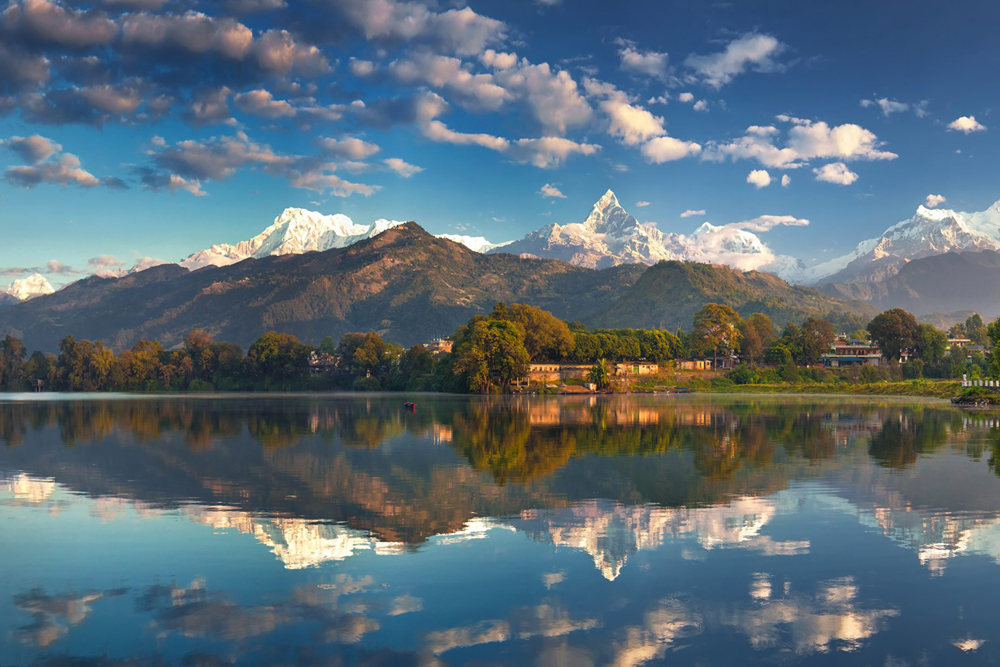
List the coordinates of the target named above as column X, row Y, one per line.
column 321, row 362
column 693, row 364
column 439, row 346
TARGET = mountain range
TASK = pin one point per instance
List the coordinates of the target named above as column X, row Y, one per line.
column 33, row 286
column 404, row 283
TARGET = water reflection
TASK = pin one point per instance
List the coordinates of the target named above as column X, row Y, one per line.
column 549, row 531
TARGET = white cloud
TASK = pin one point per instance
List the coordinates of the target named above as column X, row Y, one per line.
column 262, row 103
column 667, row 149
column 551, row 191
column 48, row 164
column 632, row 124
column 785, row 180
column 966, row 124
column 350, row 148
column 547, row 152
column 686, row 98
column 692, row 212
column 475, row 91
column 750, row 52
column 806, row 140
column 759, row 178
column 361, row 68
column 835, row 172
column 933, row 201
column 641, row 204
column 700, row 105
column 887, row 106
column 404, row 169
column 649, row 63
column 766, row 223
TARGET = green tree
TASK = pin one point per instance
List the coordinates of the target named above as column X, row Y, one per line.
column 599, row 374
column 13, row 365
column 758, row 334
column 716, row 329
column 930, row 343
column 278, row 359
column 993, row 332
column 894, row 332
column 545, row 336
column 816, row 338
column 491, row 354
column 975, row 329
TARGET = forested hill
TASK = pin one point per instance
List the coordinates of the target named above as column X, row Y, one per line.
column 404, row 284
column 669, row 294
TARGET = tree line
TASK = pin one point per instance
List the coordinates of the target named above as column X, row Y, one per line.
column 491, row 353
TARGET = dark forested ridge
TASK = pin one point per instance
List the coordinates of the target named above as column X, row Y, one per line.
column 404, row 284
column 669, row 294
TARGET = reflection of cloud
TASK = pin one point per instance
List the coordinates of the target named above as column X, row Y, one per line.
column 831, row 619
column 405, row 604
column 665, row 624
column 525, row 623
column 968, row 644
column 610, row 533
column 760, row 587
column 551, row 579
column 52, row 615
column 28, row 489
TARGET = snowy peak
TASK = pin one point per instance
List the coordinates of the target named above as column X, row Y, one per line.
column 610, row 236
column 931, row 231
column 298, row 230
column 33, row 286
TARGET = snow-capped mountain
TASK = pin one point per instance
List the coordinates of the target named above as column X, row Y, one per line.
column 298, row 230
column 929, row 232
column 611, row 236
column 28, row 288
column 474, row 243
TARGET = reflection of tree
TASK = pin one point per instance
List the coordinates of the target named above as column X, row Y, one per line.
column 906, row 435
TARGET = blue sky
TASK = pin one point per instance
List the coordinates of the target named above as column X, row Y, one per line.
column 146, row 128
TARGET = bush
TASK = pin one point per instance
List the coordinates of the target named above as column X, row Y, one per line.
column 366, row 384
column 200, row 385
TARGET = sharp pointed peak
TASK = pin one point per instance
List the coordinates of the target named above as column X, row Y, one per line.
column 607, row 199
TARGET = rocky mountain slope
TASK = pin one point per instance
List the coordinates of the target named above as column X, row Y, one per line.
column 929, row 232
column 946, row 283
column 298, row 230
column 403, row 283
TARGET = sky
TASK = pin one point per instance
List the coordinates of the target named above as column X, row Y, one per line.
column 136, row 129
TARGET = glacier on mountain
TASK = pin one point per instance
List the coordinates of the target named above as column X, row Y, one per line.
column 33, row 286
column 929, row 232
column 611, row 236
column 298, row 230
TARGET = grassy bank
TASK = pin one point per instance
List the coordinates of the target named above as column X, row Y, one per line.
column 927, row 388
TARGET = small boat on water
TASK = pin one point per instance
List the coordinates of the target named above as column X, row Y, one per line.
column 412, row 407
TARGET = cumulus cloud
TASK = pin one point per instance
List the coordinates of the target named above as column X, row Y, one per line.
column 209, row 106
column 630, row 123
column 835, row 172
column 759, row 178
column 350, row 148
column 934, row 201
column 667, row 149
column 692, row 212
column 263, row 104
column 753, row 52
column 402, row 167
column 551, row 191
column 476, row 91
column 966, row 124
column 155, row 180
column 48, row 164
column 548, row 152
column 887, row 106
column 700, row 105
column 648, row 63
column 806, row 140
column 49, row 23
column 459, row 31
column 785, row 180
column 686, row 98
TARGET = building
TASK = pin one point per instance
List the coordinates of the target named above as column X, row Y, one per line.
column 844, row 353
column 693, row 364
column 631, row 368
column 439, row 346
column 321, row 362
column 958, row 342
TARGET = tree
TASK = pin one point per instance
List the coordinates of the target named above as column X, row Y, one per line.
column 545, row 336
column 716, row 328
column 278, row 358
column 13, row 369
column 816, row 338
column 491, row 354
column 975, row 329
column 758, row 334
column 600, row 375
column 993, row 332
column 929, row 343
column 894, row 332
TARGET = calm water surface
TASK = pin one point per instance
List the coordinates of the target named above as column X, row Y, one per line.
column 576, row 531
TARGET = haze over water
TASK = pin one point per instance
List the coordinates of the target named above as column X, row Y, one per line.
column 566, row 531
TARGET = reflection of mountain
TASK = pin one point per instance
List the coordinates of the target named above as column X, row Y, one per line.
column 611, row 533
column 319, row 480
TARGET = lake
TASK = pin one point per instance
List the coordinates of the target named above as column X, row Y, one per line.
column 620, row 530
